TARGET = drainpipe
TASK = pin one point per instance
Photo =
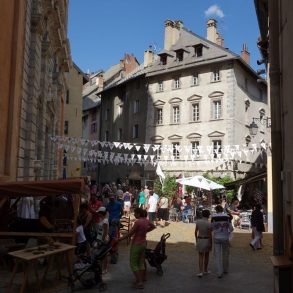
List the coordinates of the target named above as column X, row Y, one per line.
column 276, row 116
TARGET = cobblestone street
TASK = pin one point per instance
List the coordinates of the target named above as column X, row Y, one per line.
column 247, row 267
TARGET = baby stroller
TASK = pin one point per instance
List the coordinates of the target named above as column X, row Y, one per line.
column 89, row 271
column 157, row 256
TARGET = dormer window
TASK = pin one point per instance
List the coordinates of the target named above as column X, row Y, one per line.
column 262, row 114
column 179, row 55
column 163, row 60
column 198, row 51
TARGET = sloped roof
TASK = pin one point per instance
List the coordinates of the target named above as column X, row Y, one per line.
column 89, row 102
column 188, row 39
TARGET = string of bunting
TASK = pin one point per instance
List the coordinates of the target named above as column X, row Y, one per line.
column 106, row 152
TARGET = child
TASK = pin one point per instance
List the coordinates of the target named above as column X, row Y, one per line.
column 81, row 241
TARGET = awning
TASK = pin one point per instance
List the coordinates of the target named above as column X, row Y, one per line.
column 41, row 187
column 248, row 179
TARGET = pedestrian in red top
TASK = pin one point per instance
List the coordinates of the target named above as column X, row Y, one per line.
column 138, row 245
column 94, row 205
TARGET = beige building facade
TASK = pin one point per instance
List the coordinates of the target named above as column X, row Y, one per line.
column 35, row 52
column 75, row 79
column 194, row 95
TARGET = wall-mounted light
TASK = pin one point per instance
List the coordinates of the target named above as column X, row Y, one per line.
column 253, row 128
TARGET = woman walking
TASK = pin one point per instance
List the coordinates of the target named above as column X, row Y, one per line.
column 138, row 245
column 203, row 236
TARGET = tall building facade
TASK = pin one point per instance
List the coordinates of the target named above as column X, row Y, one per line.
column 35, row 53
column 194, row 95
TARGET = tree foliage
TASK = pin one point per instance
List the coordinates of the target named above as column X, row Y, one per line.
column 170, row 186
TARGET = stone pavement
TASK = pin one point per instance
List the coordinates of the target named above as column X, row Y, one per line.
column 250, row 271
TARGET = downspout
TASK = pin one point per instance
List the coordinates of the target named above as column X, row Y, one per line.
column 276, row 135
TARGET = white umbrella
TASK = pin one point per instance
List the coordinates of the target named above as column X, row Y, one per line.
column 200, row 182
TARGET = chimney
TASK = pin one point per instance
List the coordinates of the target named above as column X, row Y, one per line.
column 245, row 55
column 169, row 25
column 178, row 25
column 212, row 30
column 100, row 80
column 148, row 57
column 220, row 40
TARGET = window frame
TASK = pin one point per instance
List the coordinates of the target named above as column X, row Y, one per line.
column 174, row 121
column 135, row 131
column 93, row 127
column 136, row 106
column 175, row 152
column 192, row 111
column 66, row 127
column 160, row 86
column 195, row 79
column 215, row 146
column 215, row 109
column 216, row 75
column 176, row 83
column 159, row 120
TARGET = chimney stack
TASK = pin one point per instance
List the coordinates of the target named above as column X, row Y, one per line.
column 212, row 34
column 245, row 55
column 219, row 40
column 169, row 25
column 172, row 32
column 100, row 80
column 148, row 57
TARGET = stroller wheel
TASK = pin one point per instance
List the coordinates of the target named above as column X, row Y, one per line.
column 103, row 287
column 160, row 272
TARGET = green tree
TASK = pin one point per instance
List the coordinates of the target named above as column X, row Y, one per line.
column 170, row 186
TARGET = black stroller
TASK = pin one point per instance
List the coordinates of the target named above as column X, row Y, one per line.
column 89, row 272
column 157, row 256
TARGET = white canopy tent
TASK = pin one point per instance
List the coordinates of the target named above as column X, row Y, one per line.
column 200, row 182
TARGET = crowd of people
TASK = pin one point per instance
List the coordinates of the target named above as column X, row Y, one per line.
column 101, row 211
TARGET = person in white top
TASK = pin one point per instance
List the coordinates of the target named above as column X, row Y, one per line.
column 81, row 246
column 152, row 208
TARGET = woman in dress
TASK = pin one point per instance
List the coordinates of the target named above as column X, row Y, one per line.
column 141, row 200
column 203, row 236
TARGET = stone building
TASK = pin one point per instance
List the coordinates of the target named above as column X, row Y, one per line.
column 275, row 43
column 35, row 53
column 91, row 116
column 194, row 94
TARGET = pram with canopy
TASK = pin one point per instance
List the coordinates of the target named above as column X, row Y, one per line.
column 89, row 271
column 158, row 255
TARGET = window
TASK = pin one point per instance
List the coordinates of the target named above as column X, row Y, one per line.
column 119, row 134
column 136, row 106
column 107, row 112
column 163, row 60
column 194, row 147
column 94, row 115
column 66, row 127
column 160, row 86
column 106, row 135
column 217, row 109
column 177, row 83
column 135, row 131
column 216, row 75
column 176, row 114
column 262, row 114
column 217, row 147
column 194, row 80
column 195, row 112
column 176, row 153
column 198, row 51
column 159, row 116
column 120, row 110
column 179, row 55
column 67, row 97
column 94, row 127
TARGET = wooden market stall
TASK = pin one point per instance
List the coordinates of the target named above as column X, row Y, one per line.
column 53, row 223
column 61, row 198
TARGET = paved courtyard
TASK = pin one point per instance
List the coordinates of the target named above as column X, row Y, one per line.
column 250, row 271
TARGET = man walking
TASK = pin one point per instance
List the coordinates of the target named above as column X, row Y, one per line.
column 222, row 227
column 152, row 208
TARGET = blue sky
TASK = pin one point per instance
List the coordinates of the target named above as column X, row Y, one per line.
column 102, row 31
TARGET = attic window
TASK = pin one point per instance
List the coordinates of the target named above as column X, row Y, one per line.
column 163, row 60
column 179, row 55
column 198, row 51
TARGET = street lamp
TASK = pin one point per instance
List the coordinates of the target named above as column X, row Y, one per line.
column 253, row 128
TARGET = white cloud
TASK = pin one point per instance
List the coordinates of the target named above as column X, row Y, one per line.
column 214, row 10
